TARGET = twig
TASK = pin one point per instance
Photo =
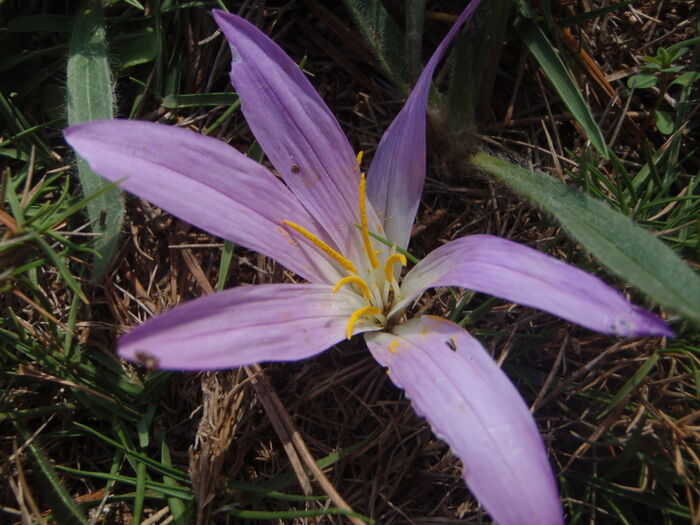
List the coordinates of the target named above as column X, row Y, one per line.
column 300, row 445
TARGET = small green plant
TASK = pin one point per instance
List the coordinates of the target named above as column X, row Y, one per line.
column 662, row 70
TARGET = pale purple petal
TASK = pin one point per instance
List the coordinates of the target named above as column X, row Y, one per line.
column 512, row 271
column 204, row 182
column 296, row 130
column 396, row 176
column 470, row 403
column 245, row 325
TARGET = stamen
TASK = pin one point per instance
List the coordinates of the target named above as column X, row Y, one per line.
column 366, row 310
column 345, row 263
column 360, row 154
column 389, row 264
column 363, row 223
column 354, row 279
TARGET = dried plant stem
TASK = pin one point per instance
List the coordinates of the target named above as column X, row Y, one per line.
column 278, row 414
column 265, row 393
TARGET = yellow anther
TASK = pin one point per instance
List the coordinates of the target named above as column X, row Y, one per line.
column 345, row 263
column 359, row 157
column 366, row 310
column 354, row 279
column 389, row 264
column 363, row 223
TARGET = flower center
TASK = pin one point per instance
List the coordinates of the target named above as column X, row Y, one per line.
column 379, row 289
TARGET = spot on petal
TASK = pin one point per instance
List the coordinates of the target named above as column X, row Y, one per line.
column 394, row 345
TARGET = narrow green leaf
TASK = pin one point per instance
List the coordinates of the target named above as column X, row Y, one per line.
column 387, row 242
column 630, row 385
column 140, row 49
column 10, row 61
column 643, row 498
column 683, row 44
column 199, row 100
column 224, row 116
column 140, row 492
column 627, row 250
column 161, row 488
column 90, row 97
column 225, row 264
column 34, row 23
column 687, row 78
column 64, row 508
column 579, row 19
column 135, row 3
column 384, row 38
column 154, row 464
column 556, row 72
column 60, row 264
column 177, row 508
column 272, row 494
column 284, row 480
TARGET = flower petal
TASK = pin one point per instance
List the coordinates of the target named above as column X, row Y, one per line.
column 506, row 269
column 245, row 325
column 470, row 403
column 396, row 176
column 296, row 130
column 205, row 182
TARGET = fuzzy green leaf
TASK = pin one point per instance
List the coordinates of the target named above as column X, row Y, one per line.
column 383, row 36
column 624, row 248
column 90, row 97
column 65, row 510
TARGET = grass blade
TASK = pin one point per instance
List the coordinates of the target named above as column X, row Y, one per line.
column 556, row 72
column 630, row 385
column 624, row 248
column 177, row 508
column 90, row 97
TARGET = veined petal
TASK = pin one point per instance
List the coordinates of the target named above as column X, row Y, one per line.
column 245, row 325
column 470, row 403
column 205, row 182
column 396, row 176
column 506, row 269
column 296, row 130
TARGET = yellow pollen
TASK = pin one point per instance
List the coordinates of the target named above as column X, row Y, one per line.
column 363, row 223
column 394, row 345
column 345, row 263
column 366, row 310
column 354, row 279
column 389, row 265
column 360, row 154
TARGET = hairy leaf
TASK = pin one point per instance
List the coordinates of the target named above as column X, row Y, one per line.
column 90, row 97
column 623, row 247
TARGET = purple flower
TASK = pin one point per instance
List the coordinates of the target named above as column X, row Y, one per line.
column 309, row 223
